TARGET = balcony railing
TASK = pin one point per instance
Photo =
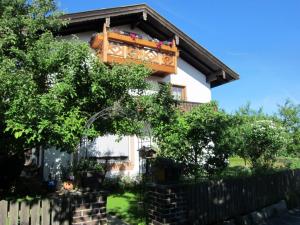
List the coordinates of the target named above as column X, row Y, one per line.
column 113, row 47
column 186, row 106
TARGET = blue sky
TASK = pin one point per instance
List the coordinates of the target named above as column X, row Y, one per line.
column 259, row 39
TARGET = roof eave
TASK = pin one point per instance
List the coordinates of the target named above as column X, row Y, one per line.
column 199, row 52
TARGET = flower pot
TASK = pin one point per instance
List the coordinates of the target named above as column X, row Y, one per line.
column 68, row 185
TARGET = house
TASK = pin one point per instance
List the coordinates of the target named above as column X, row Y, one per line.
column 139, row 34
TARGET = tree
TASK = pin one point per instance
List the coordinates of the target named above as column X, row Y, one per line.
column 50, row 87
column 196, row 138
column 244, row 116
column 263, row 139
column 207, row 136
column 289, row 115
column 257, row 137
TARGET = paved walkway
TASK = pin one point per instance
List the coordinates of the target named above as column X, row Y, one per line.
column 290, row 218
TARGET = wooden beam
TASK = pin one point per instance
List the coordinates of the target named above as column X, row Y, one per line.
column 145, row 15
column 215, row 75
column 107, row 21
column 176, row 39
column 105, row 42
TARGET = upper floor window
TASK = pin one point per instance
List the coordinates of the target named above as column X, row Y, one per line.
column 178, row 92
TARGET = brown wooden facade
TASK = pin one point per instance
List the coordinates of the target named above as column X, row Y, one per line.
column 112, row 47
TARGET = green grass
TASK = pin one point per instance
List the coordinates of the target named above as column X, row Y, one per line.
column 238, row 168
column 281, row 162
column 126, row 207
column 237, row 161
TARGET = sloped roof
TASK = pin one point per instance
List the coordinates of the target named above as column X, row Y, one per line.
column 148, row 20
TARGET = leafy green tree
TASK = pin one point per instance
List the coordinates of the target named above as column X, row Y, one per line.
column 244, row 116
column 49, row 87
column 263, row 140
column 257, row 137
column 197, row 139
column 207, row 135
column 289, row 115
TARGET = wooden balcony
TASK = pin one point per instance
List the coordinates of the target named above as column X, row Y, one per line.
column 112, row 47
column 186, row 106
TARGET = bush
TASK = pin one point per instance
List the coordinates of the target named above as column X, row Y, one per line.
column 289, row 115
column 86, row 165
column 197, row 139
column 122, row 183
column 263, row 139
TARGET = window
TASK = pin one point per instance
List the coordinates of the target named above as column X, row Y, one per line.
column 108, row 146
column 178, row 92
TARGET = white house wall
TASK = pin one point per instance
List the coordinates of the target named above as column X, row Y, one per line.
column 197, row 89
column 83, row 36
column 108, row 145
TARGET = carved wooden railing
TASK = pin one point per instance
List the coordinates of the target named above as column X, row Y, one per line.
column 112, row 47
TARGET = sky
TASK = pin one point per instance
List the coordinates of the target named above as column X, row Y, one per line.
column 259, row 39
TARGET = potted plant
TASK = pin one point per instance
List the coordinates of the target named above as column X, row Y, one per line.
column 90, row 174
column 68, row 178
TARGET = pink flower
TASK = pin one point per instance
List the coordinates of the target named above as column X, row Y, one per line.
column 133, row 36
column 159, row 44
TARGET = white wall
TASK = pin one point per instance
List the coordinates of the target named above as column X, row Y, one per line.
column 197, row 89
column 108, row 145
column 84, row 36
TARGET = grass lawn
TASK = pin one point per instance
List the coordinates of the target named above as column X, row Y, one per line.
column 126, row 207
column 238, row 168
column 281, row 162
column 237, row 161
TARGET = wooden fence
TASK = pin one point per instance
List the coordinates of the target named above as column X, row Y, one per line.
column 214, row 201
column 58, row 210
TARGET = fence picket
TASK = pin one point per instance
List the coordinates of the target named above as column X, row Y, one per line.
column 13, row 213
column 35, row 213
column 55, row 210
column 3, row 211
column 45, row 212
column 24, row 213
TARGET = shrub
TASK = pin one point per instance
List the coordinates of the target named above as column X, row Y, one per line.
column 86, row 165
column 122, row 183
column 289, row 115
column 263, row 139
column 197, row 139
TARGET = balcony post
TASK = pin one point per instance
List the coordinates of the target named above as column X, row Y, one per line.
column 176, row 55
column 105, row 42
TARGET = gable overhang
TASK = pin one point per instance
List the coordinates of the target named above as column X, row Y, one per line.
column 148, row 20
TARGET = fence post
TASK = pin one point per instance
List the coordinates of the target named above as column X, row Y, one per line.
column 13, row 213
column 46, row 212
column 3, row 211
column 24, row 213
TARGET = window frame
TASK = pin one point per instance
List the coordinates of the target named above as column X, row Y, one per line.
column 183, row 91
